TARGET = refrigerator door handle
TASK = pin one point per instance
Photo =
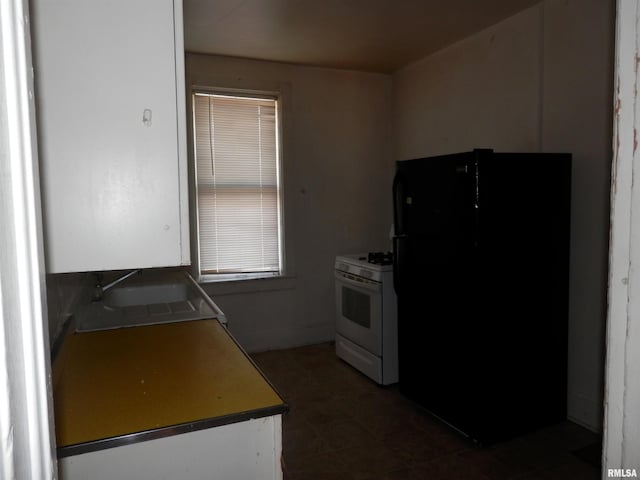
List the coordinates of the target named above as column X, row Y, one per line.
column 398, row 204
column 399, row 242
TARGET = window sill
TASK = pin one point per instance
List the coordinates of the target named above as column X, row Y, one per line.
column 251, row 285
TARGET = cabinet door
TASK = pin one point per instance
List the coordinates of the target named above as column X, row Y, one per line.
column 110, row 133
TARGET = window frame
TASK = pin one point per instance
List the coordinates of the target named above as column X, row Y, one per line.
column 195, row 215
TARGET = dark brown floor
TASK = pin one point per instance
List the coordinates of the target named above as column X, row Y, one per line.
column 343, row 426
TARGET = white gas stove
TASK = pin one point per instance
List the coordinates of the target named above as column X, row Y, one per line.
column 366, row 320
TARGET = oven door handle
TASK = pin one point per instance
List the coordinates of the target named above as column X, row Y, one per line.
column 358, row 282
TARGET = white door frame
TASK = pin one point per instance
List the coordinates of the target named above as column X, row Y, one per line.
column 27, row 448
column 621, row 448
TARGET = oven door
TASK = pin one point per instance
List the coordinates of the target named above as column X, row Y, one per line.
column 359, row 311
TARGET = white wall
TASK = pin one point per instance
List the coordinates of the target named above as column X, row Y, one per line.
column 577, row 117
column 538, row 81
column 337, row 183
column 482, row 92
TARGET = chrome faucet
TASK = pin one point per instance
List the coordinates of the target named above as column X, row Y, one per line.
column 99, row 290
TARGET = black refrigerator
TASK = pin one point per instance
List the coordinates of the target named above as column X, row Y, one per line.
column 481, row 271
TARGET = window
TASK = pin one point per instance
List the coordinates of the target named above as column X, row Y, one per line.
column 238, row 185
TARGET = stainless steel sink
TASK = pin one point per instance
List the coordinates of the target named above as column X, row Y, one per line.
column 147, row 294
column 148, row 299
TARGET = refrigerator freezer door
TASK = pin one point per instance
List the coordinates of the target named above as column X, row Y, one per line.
column 436, row 257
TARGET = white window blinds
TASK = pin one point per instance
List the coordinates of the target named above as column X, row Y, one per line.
column 236, row 150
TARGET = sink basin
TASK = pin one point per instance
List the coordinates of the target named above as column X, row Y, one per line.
column 148, row 299
column 146, row 294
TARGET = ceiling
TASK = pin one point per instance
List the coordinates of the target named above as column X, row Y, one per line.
column 370, row 35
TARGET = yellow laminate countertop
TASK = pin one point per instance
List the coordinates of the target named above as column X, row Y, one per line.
column 114, row 383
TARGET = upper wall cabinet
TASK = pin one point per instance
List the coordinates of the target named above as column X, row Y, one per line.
column 112, row 132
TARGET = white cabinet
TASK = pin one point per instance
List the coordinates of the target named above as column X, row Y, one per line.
column 112, row 132
column 245, row 450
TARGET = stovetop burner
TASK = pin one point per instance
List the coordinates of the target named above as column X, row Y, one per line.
column 370, row 265
column 380, row 258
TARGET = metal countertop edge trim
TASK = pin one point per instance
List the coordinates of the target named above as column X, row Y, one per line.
column 222, row 318
column 254, row 364
column 233, row 339
column 132, row 438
